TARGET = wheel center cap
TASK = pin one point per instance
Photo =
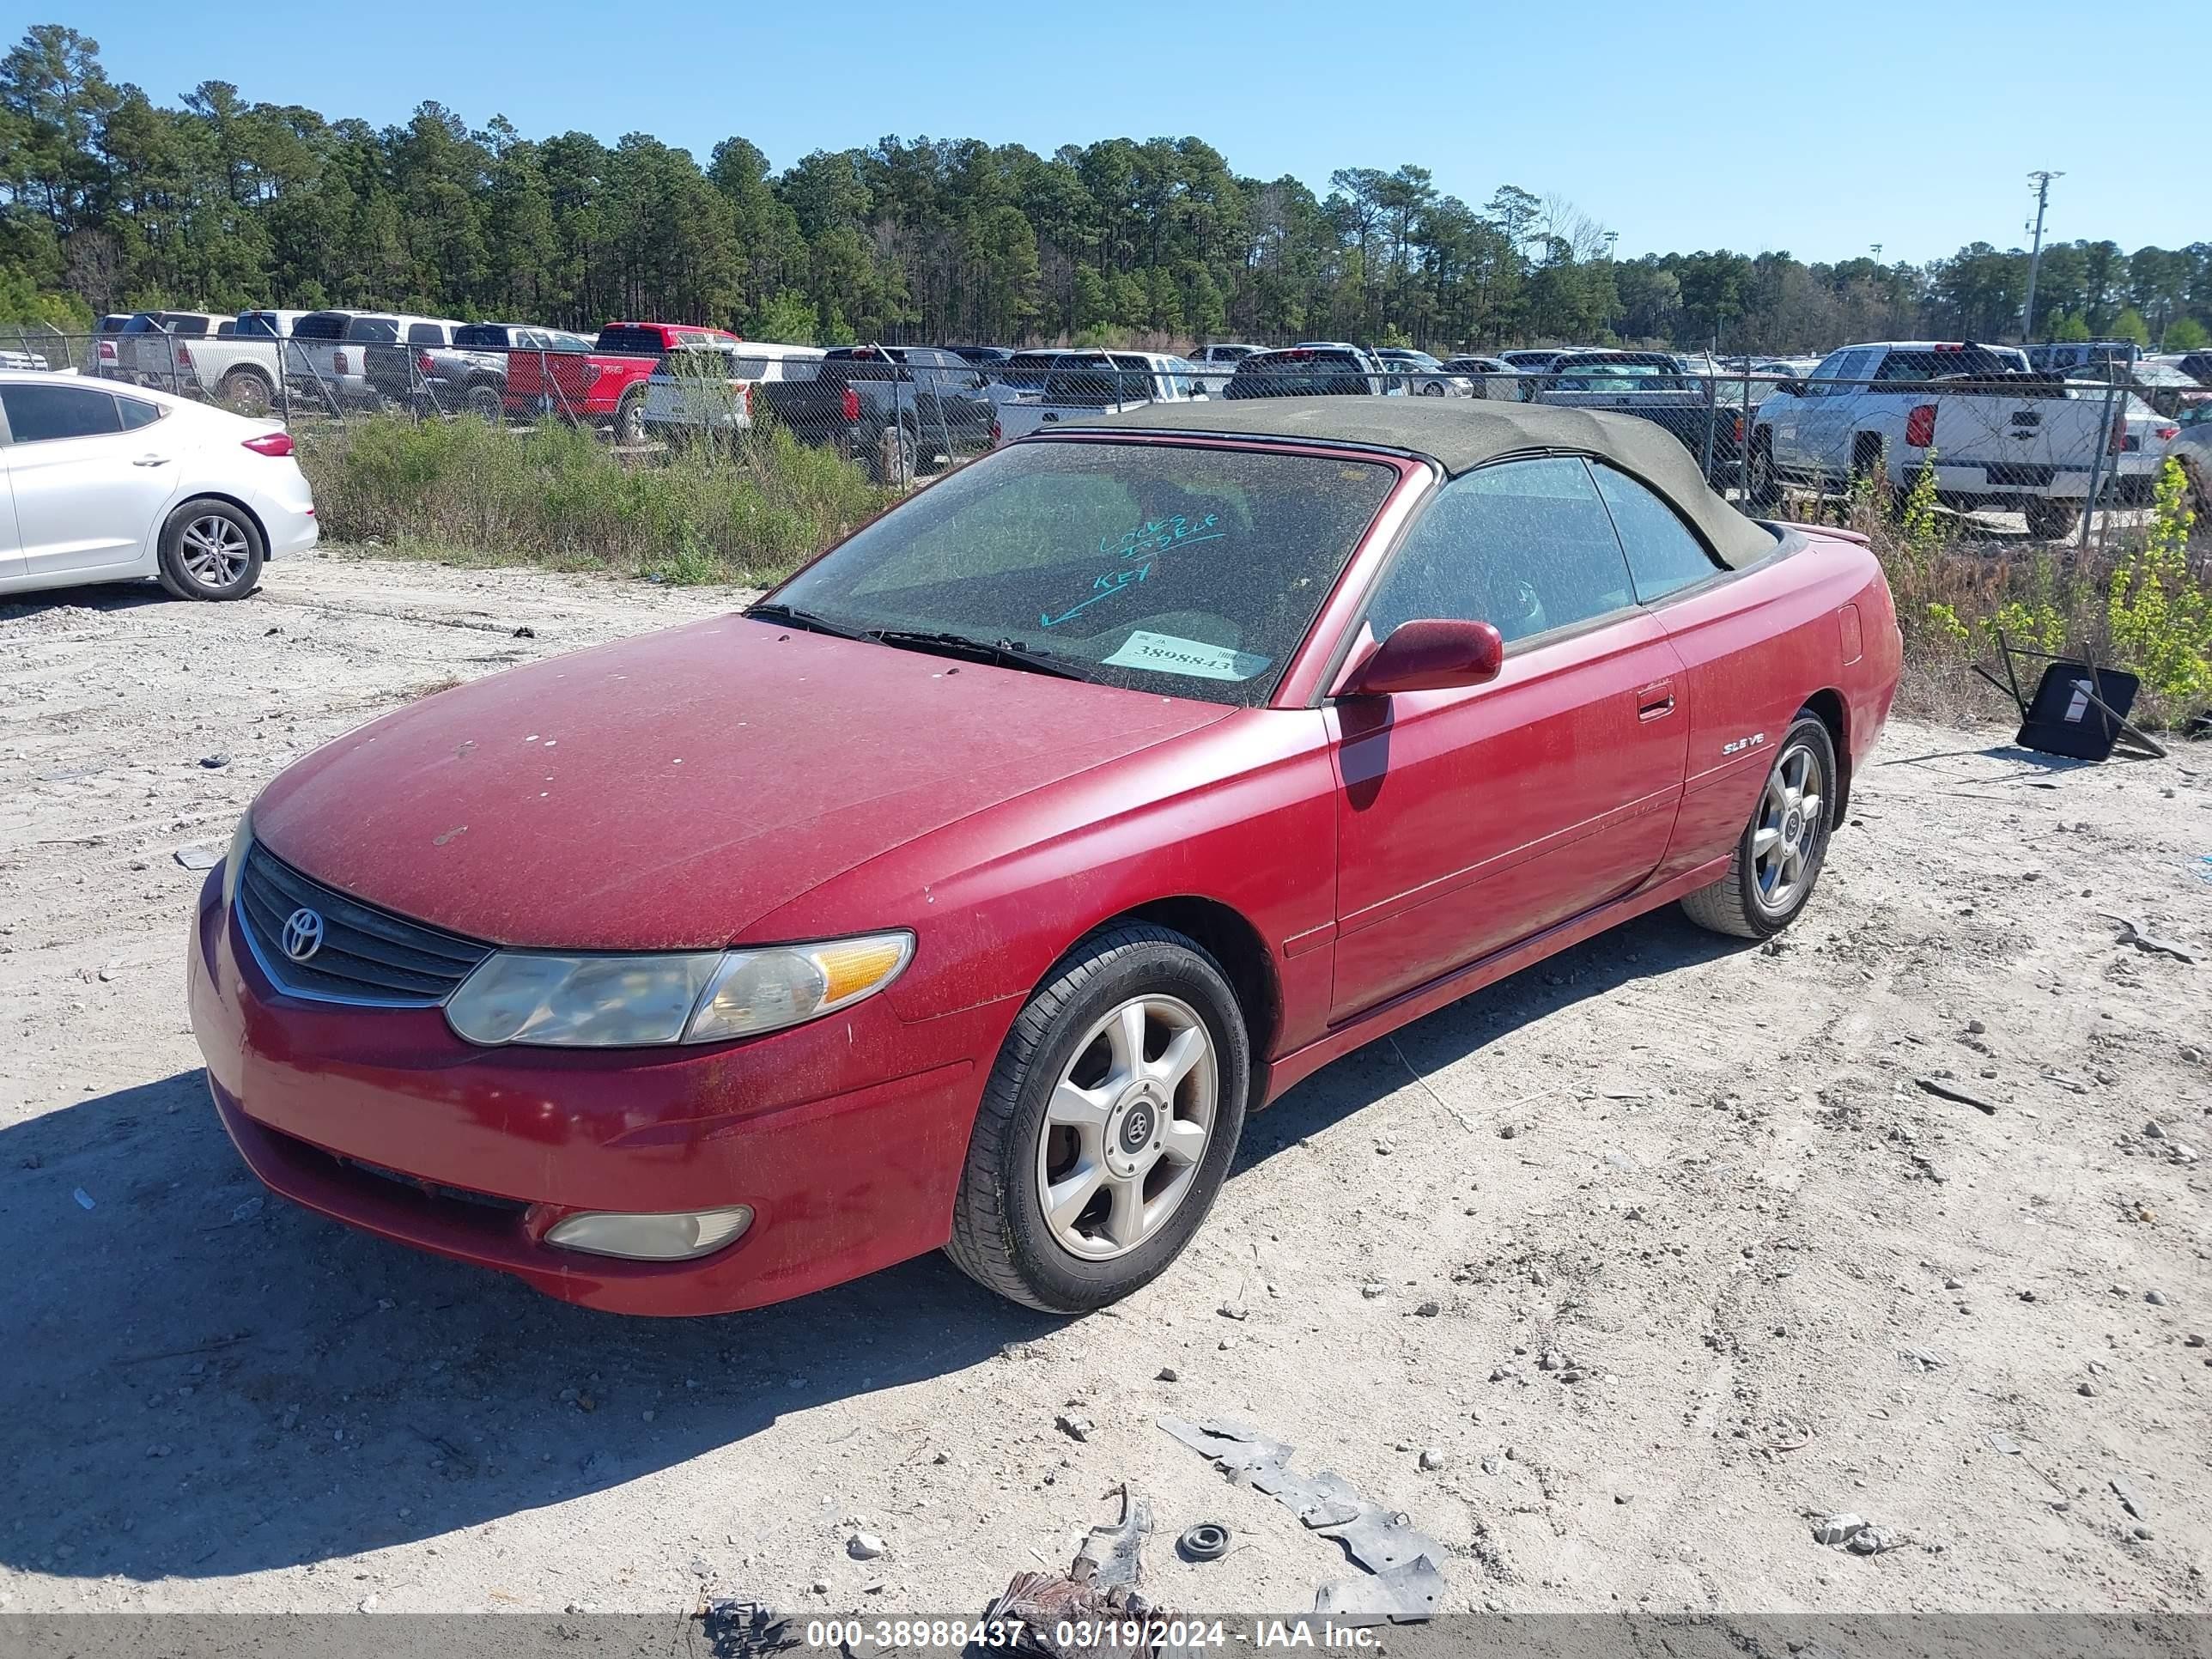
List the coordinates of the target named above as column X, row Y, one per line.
column 1136, row 1128
column 1792, row 827
column 1137, row 1124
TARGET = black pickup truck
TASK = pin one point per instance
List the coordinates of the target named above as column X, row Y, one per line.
column 898, row 410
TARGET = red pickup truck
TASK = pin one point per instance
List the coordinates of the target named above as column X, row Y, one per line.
column 604, row 386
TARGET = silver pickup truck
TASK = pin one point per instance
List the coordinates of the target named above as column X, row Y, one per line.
column 239, row 365
column 1997, row 434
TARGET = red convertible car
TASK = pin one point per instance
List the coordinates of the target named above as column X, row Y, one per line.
column 970, row 889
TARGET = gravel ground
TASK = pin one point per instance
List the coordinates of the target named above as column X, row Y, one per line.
column 1778, row 1277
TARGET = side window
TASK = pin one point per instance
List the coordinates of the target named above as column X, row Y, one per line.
column 1663, row 554
column 39, row 414
column 429, row 334
column 137, row 412
column 1524, row 545
column 1820, row 383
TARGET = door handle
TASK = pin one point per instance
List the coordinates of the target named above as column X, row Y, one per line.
column 151, row 460
column 1656, row 701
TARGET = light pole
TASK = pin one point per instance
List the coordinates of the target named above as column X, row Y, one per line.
column 2042, row 177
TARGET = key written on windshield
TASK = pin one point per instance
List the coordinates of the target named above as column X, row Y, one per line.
column 1148, row 539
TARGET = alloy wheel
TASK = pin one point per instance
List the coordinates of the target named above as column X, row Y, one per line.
column 1792, row 822
column 1127, row 1127
column 213, row 550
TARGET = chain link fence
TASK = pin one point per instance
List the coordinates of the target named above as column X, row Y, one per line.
column 2005, row 454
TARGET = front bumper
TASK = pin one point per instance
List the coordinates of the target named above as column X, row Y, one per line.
column 846, row 1136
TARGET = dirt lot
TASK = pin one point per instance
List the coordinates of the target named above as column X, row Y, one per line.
column 1785, row 1279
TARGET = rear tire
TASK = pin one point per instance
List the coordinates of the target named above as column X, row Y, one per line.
column 209, row 550
column 1157, row 1151
column 903, row 454
column 1778, row 856
column 243, row 391
column 2052, row 521
column 630, row 418
column 1762, row 489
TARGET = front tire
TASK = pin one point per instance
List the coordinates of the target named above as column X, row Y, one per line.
column 2050, row 520
column 210, row 550
column 1778, row 856
column 1107, row 1125
column 630, row 418
column 483, row 401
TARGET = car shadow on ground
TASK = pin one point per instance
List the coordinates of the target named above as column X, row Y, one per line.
column 114, row 596
column 205, row 1381
column 1650, row 947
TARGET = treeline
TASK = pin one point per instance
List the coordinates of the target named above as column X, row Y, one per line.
column 110, row 202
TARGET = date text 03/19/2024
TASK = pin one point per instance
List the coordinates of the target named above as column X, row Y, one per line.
column 1076, row 1634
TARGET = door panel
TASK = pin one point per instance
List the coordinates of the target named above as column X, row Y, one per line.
column 1472, row 819
column 11, row 545
column 88, row 501
column 1753, row 648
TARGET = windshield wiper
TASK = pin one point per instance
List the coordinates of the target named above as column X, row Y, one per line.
column 806, row 619
column 1005, row 652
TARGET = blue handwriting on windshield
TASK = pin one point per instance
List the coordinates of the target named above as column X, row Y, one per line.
column 1154, row 536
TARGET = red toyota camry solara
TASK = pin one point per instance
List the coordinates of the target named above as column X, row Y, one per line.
column 969, row 890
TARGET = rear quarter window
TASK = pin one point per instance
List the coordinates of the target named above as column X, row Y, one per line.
column 44, row 413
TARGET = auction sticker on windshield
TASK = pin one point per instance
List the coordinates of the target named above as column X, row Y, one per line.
column 1165, row 654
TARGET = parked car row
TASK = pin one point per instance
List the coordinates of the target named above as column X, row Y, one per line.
column 109, row 484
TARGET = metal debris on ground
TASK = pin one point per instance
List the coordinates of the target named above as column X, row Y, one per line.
column 1936, row 1086
column 1207, row 1541
column 197, row 858
column 1112, row 1554
column 2131, row 934
column 1384, row 1541
column 738, row 1629
column 1403, row 1595
column 1096, row 1597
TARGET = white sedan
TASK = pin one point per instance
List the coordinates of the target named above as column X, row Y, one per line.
column 109, row 485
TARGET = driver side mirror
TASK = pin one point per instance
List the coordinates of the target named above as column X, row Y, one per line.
column 1431, row 654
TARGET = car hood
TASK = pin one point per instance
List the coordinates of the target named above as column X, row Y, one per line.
column 663, row 793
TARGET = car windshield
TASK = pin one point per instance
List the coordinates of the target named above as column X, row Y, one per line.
column 1179, row 568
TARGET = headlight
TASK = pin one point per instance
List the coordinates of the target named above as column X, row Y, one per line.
column 699, row 996
column 241, row 842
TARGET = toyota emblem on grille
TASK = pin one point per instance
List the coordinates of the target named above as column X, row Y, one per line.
column 303, row 934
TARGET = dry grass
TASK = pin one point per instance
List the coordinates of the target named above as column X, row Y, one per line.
column 558, row 497
column 2140, row 600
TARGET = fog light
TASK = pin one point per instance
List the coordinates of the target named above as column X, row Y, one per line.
column 677, row 1236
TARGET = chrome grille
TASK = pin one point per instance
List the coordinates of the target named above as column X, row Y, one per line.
column 367, row 955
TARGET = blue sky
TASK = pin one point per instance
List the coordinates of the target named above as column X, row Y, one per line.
column 1814, row 128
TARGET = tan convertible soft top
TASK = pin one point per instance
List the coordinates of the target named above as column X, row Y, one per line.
column 1459, row 435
